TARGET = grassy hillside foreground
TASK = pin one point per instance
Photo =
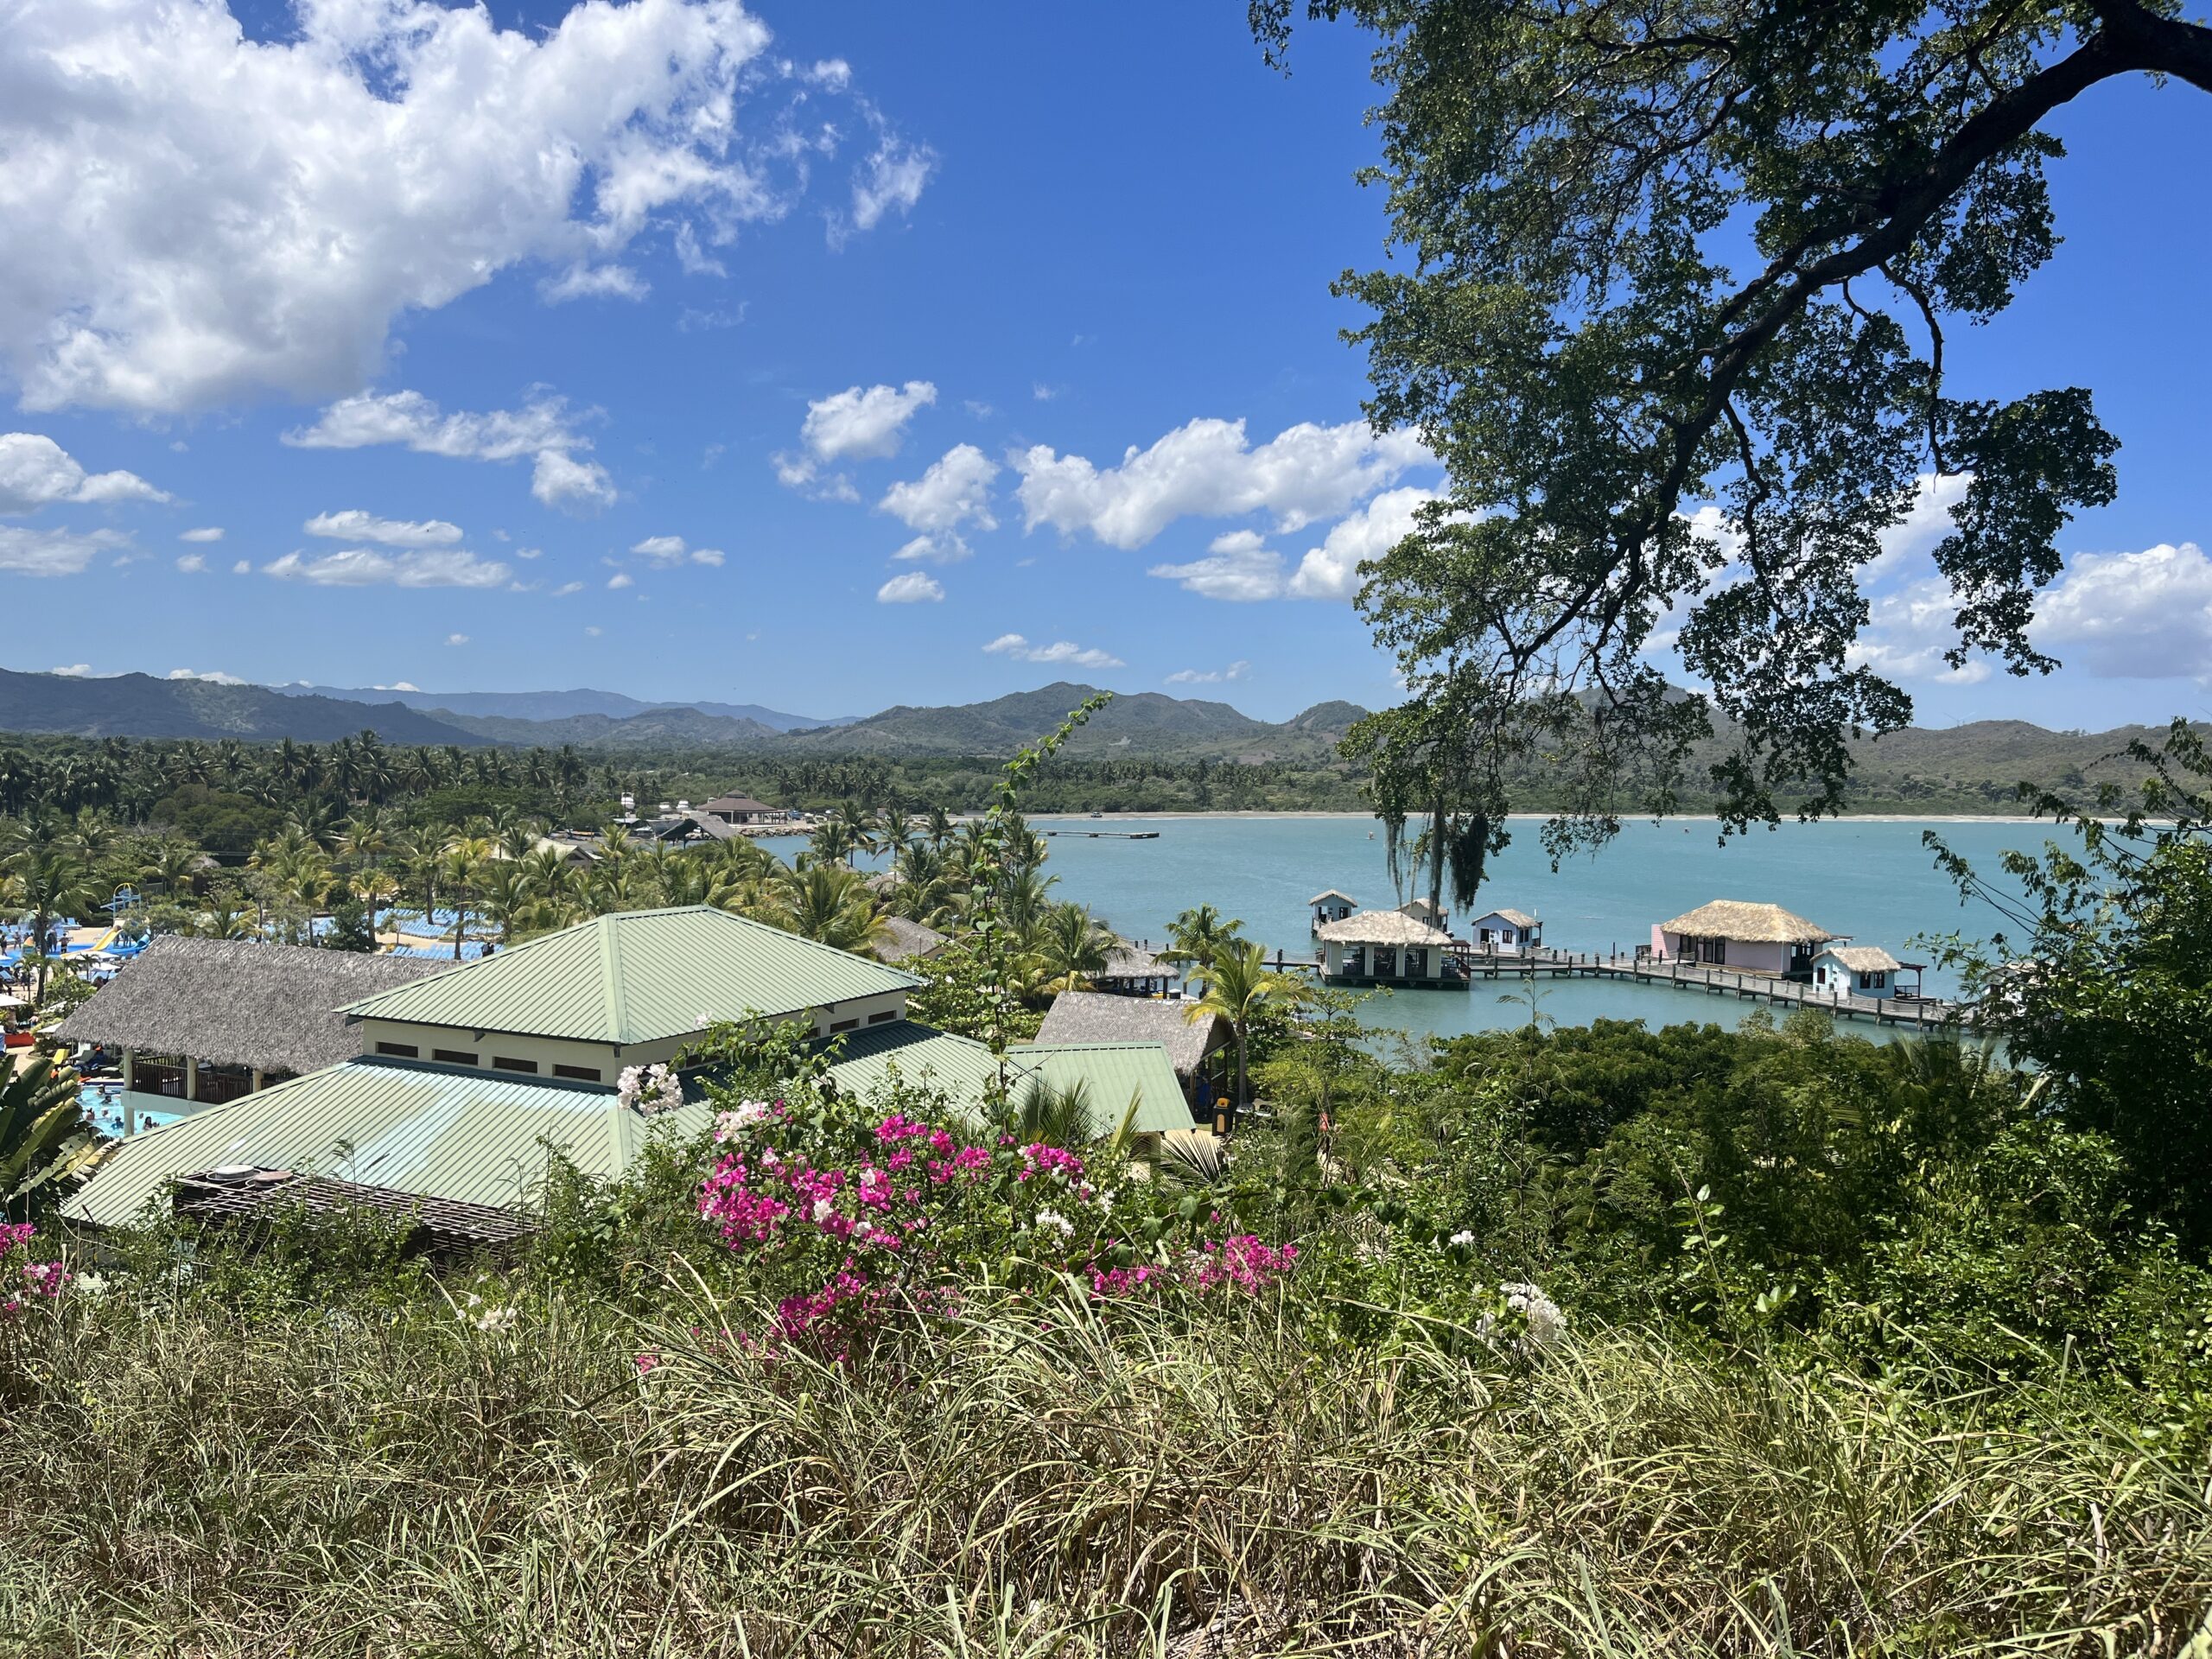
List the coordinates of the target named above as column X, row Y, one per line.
column 399, row 1481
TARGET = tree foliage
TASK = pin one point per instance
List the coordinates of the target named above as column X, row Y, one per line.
column 1672, row 303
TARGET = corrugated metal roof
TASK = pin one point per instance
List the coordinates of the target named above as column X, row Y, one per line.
column 440, row 1131
column 959, row 1066
column 1112, row 1072
column 638, row 976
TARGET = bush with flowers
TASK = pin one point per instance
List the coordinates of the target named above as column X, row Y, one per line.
column 853, row 1215
column 24, row 1282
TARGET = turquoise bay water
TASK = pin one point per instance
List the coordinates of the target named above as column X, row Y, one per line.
column 1871, row 880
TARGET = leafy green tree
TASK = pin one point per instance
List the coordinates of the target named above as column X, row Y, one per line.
column 44, row 1133
column 1669, row 299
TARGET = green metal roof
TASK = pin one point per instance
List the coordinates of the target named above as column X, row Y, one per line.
column 1114, row 1072
column 960, row 1067
column 440, row 1131
column 639, row 976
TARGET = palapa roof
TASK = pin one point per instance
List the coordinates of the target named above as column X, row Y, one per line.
column 1380, row 927
column 1127, row 962
column 1518, row 917
column 435, row 1131
column 1864, row 958
column 738, row 804
column 1321, row 897
column 1078, row 1019
column 276, row 1007
column 1732, row 919
column 235, row 1193
column 899, row 937
column 639, row 976
column 1112, row 1075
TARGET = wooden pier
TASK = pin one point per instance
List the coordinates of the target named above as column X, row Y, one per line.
column 1923, row 1014
column 1105, row 834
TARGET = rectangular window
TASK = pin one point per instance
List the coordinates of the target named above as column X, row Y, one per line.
column 844, row 1024
column 507, row 1063
column 577, row 1073
column 401, row 1050
column 878, row 1019
column 452, row 1056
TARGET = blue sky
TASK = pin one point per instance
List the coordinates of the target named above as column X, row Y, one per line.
column 814, row 384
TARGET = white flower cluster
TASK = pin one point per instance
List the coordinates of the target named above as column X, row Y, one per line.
column 746, row 1114
column 493, row 1321
column 1057, row 1221
column 649, row 1088
column 1546, row 1324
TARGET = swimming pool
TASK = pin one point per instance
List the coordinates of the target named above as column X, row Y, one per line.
column 103, row 1103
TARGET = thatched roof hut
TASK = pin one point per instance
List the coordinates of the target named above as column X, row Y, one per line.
column 1733, row 918
column 1081, row 1017
column 273, row 1008
column 902, row 937
column 1390, row 927
column 1866, row 958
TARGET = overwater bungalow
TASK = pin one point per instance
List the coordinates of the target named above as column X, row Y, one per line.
column 450, row 1083
column 1330, row 906
column 1752, row 938
column 1132, row 970
column 1506, row 931
column 1387, row 947
column 1422, row 910
column 196, row 1022
column 1865, row 970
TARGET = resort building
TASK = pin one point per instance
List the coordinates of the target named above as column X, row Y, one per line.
column 1197, row 1049
column 1385, row 947
column 196, row 1022
column 1330, row 906
column 1864, row 971
column 1421, row 911
column 451, row 1085
column 1506, row 931
column 1750, row 939
column 743, row 808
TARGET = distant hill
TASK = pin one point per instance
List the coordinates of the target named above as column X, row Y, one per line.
column 139, row 705
column 561, row 705
column 655, row 728
column 1143, row 723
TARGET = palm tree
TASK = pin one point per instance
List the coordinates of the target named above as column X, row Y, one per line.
column 1196, row 935
column 829, row 904
column 1069, row 945
column 1242, row 987
column 43, row 1131
column 51, row 879
column 460, row 868
column 835, row 842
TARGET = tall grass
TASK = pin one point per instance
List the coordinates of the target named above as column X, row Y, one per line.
column 1022, row 1481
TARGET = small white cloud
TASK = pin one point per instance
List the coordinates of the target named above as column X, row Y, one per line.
column 1237, row 671
column 456, row 639
column 36, row 471
column 913, row 588
column 593, row 630
column 192, row 564
column 75, row 671
column 28, row 552
column 934, row 550
column 1043, row 393
column 243, row 567
column 599, row 282
column 859, row 423
column 890, row 180
column 204, row 533
column 361, row 566
column 354, row 525
column 214, row 677
column 542, row 431
column 568, row 587
column 522, row 552
column 661, row 549
column 1243, row 575
column 560, row 481
column 706, row 556
column 956, row 490
column 1063, row 651
column 619, row 579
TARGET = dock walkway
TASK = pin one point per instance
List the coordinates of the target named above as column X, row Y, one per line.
column 1920, row 1013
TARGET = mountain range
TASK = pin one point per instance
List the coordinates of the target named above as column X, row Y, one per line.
column 557, row 705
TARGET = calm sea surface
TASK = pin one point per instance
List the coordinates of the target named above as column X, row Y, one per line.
column 1873, row 881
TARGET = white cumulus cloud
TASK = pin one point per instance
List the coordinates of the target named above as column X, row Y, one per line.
column 1061, row 650
column 354, row 525
column 1236, row 573
column 191, row 215
column 890, row 180
column 666, row 551
column 2145, row 615
column 454, row 639
column 911, row 588
column 36, row 471
column 946, row 549
column 204, row 533
column 52, row 552
column 1239, row 669
column 363, row 566
column 1332, row 570
column 541, row 430
column 73, row 671
column 193, row 563
column 955, row 491
column 859, row 423
column 1208, row 469
column 214, row 677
